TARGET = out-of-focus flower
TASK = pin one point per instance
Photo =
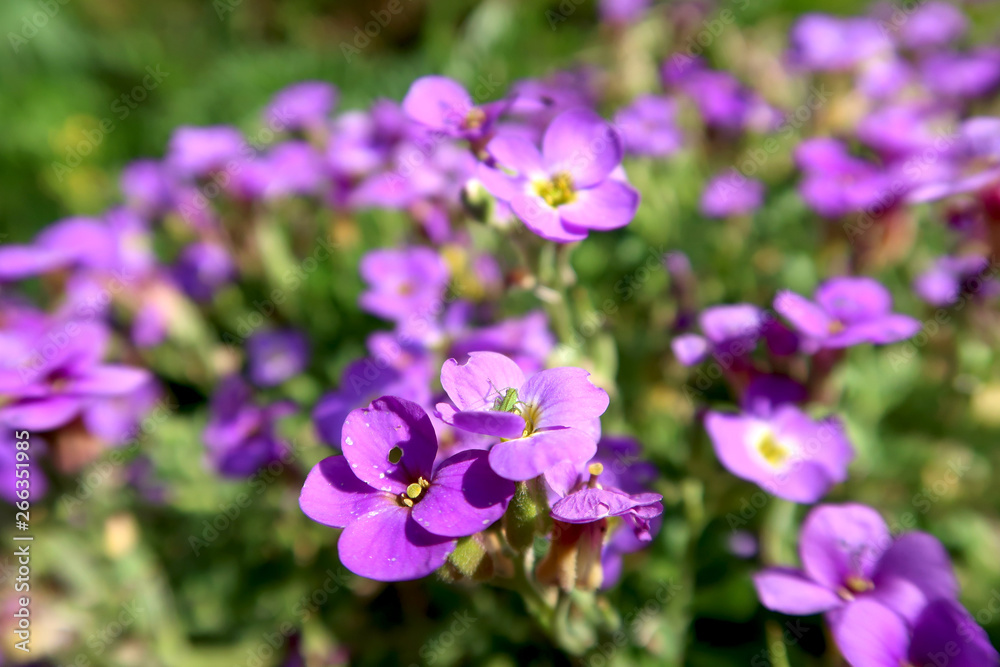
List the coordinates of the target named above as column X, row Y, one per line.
column 648, row 126
column 779, row 447
column 394, row 368
column 276, row 356
column 722, row 100
column 848, row 556
column 622, row 12
column 302, row 106
column 951, row 277
column 731, row 194
column 962, row 75
column 574, row 185
column 846, row 311
column 58, row 374
column 400, row 516
column 544, row 420
column 195, row 152
column 240, row 435
column 202, row 269
column 442, row 104
column 933, row 25
column 821, row 42
column 835, row 183
column 70, row 243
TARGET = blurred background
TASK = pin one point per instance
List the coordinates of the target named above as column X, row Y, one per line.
column 122, row 578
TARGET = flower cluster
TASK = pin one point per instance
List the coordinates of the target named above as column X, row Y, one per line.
column 403, row 507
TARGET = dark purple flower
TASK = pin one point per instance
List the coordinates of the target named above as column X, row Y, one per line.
column 202, row 269
column 544, row 420
column 572, row 186
column 649, row 126
column 869, row 634
column 240, row 435
column 197, row 151
column 400, row 516
column 846, row 311
column 302, row 106
column 731, row 194
column 276, row 356
column 951, row 277
column 730, row 331
column 394, row 368
column 442, row 104
column 848, row 555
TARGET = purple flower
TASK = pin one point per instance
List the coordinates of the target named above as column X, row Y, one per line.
column 730, row 331
column 962, row 75
column 821, row 42
column 58, row 375
column 240, row 435
column 588, row 500
column 848, row 556
column 622, row 11
column 202, row 269
column 835, row 183
column 932, row 25
column 197, row 151
column 291, row 168
column 70, row 243
column 731, row 194
column 572, row 186
column 649, row 126
column 846, row 312
column 527, row 340
column 400, row 516
column 302, row 106
column 406, row 286
column 147, row 187
column 779, row 447
column 722, row 100
column 974, row 164
column 544, row 420
column 396, row 368
column 442, row 104
column 275, row 356
column 872, row 635
column 951, row 277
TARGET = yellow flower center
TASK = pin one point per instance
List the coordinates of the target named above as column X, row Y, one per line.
column 474, row 119
column 773, row 451
column 530, row 415
column 835, row 327
column 414, row 491
column 557, row 191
